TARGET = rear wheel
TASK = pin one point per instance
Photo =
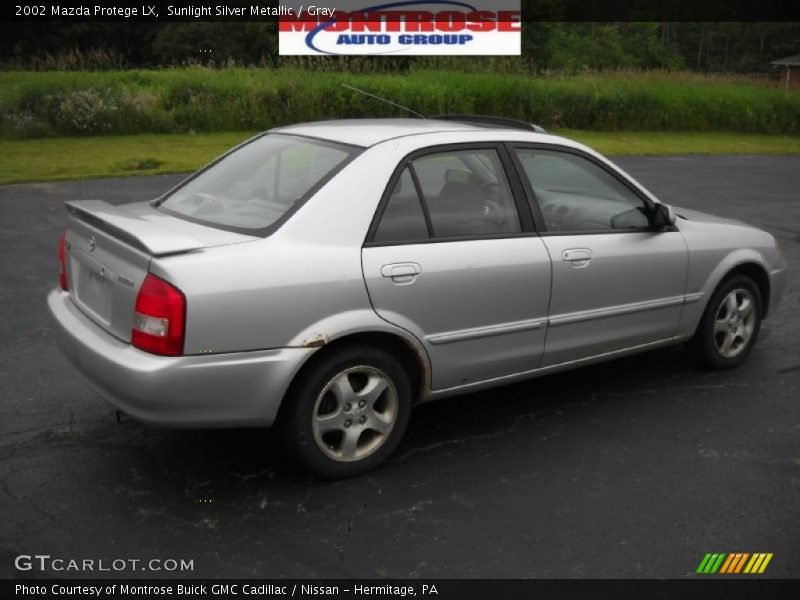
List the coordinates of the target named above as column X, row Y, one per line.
column 348, row 412
column 730, row 324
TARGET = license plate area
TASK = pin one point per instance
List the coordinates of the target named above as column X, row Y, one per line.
column 93, row 286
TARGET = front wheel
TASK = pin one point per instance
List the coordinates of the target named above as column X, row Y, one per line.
column 348, row 412
column 730, row 324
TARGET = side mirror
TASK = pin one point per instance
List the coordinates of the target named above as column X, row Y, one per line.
column 663, row 216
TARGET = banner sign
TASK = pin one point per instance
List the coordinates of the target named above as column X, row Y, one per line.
column 401, row 28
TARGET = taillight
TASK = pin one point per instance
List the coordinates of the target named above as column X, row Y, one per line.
column 62, row 261
column 159, row 318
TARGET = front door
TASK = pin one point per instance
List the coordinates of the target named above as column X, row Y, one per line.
column 617, row 283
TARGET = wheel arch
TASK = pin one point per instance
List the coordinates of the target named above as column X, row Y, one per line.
column 410, row 353
column 744, row 261
column 752, row 269
column 760, row 277
column 703, row 341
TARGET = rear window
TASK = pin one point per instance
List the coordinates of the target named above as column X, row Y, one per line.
column 256, row 185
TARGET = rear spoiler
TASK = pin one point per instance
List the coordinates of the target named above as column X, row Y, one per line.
column 130, row 228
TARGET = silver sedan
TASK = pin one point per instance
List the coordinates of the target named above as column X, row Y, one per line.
column 326, row 277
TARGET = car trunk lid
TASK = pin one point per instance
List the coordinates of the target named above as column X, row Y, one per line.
column 109, row 249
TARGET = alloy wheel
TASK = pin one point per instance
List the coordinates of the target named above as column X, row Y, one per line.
column 355, row 413
column 734, row 323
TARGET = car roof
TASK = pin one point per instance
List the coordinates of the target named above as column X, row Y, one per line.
column 368, row 132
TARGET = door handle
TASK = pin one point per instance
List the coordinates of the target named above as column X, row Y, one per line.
column 401, row 272
column 577, row 257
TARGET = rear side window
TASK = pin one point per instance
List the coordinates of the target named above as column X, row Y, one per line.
column 254, row 186
column 467, row 193
column 461, row 193
column 403, row 219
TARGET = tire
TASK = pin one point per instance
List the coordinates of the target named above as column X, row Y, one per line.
column 337, row 422
column 730, row 324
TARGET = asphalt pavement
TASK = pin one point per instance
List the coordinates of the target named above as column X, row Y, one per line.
column 634, row 468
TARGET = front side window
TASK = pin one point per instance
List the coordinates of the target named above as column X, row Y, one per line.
column 257, row 184
column 574, row 194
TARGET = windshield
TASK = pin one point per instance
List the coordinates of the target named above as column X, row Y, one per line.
column 257, row 184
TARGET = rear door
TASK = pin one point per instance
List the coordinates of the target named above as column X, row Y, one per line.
column 452, row 259
column 617, row 283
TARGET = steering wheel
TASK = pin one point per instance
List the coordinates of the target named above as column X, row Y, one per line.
column 491, row 187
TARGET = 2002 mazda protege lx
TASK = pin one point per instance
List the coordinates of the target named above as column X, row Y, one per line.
column 325, row 277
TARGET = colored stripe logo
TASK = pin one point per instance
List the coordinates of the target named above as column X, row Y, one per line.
column 734, row 563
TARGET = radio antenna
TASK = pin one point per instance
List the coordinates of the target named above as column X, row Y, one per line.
column 405, row 108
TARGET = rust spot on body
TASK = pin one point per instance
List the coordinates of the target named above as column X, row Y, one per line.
column 316, row 341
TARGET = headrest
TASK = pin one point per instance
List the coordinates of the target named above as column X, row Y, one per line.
column 456, row 176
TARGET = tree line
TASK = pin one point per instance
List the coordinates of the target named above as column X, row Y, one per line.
column 710, row 47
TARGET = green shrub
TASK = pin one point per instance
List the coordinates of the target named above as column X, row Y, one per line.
column 36, row 104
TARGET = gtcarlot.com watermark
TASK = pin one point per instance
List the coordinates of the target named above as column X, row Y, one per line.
column 50, row 564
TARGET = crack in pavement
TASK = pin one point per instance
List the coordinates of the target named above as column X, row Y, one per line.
column 340, row 546
column 484, row 436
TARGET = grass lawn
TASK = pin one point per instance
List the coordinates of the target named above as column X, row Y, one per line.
column 618, row 143
column 57, row 159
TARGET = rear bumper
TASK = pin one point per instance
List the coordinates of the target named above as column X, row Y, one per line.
column 217, row 390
